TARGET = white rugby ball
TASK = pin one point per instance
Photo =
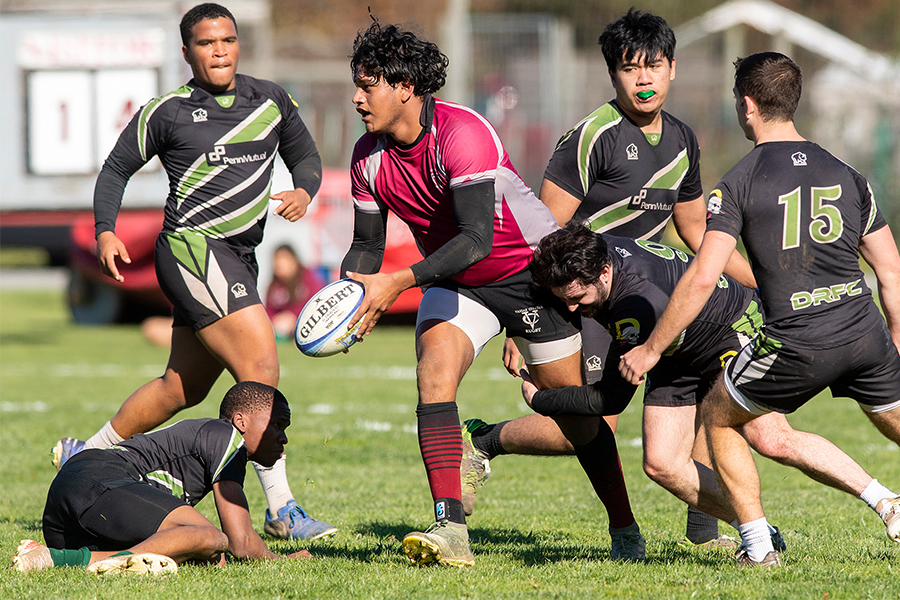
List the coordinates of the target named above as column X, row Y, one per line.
column 321, row 328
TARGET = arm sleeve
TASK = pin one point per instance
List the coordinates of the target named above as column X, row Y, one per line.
column 296, row 146
column 367, row 249
column 473, row 207
column 124, row 161
column 609, row 396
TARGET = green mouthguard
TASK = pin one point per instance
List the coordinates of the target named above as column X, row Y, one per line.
column 645, row 95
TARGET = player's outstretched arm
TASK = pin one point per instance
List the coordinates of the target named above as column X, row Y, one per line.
column 108, row 248
column 234, row 516
column 690, row 295
column 880, row 251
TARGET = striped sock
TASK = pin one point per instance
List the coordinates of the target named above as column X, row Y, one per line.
column 441, row 444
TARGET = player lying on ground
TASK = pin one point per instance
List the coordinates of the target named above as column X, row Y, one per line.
column 139, row 495
column 804, row 217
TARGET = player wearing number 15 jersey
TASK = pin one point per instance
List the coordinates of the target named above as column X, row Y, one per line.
column 805, row 217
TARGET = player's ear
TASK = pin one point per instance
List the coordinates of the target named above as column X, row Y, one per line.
column 672, row 70
column 239, row 422
column 407, row 90
column 184, row 53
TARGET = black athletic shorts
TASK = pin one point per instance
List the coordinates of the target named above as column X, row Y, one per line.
column 204, row 279
column 595, row 345
column 98, row 500
column 770, row 375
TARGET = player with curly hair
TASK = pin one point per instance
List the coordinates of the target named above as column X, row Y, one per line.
column 442, row 169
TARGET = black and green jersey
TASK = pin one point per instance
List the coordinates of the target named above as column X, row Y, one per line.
column 644, row 276
column 217, row 151
column 801, row 213
column 187, row 458
column 627, row 184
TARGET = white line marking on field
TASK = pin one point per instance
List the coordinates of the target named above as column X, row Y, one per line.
column 24, row 407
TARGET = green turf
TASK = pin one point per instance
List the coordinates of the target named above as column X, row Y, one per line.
column 538, row 531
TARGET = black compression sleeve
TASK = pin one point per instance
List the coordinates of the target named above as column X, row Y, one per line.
column 124, row 161
column 609, row 396
column 473, row 207
column 367, row 248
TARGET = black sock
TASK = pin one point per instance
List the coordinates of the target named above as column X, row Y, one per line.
column 701, row 527
column 487, row 439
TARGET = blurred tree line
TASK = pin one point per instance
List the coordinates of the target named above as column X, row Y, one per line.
column 325, row 28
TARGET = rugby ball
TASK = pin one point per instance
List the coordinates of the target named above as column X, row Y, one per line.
column 321, row 328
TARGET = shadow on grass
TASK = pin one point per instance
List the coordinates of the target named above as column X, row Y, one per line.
column 30, row 525
column 527, row 548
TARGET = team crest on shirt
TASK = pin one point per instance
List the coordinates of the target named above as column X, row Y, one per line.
column 714, row 206
column 799, row 159
column 530, row 317
column 632, row 152
column 239, row 290
column 628, row 331
column 199, row 115
column 593, row 363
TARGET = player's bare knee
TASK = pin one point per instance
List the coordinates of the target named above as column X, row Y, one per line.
column 657, row 469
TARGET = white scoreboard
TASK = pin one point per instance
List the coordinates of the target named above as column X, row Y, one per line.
column 82, row 88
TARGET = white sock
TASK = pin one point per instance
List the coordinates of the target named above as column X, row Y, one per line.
column 756, row 538
column 875, row 493
column 274, row 484
column 104, row 438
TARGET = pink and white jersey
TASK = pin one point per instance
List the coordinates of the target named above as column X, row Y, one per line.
column 416, row 183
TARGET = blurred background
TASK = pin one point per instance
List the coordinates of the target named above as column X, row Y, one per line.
column 74, row 72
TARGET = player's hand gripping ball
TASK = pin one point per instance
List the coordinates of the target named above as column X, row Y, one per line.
column 321, row 328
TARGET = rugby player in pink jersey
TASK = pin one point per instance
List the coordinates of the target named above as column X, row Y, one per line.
column 442, row 169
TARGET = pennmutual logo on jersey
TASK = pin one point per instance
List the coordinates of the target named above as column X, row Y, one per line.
column 218, row 155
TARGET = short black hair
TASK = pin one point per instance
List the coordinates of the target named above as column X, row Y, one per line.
column 250, row 396
column 199, row 13
column 774, row 82
column 573, row 253
column 398, row 56
column 634, row 34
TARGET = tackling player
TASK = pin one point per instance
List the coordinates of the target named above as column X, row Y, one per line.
column 130, row 507
column 626, row 169
column 624, row 285
column 442, row 169
column 804, row 217
column 217, row 137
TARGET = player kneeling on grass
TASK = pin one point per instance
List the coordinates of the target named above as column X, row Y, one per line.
column 130, row 507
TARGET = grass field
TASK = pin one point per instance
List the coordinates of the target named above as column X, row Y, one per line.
column 538, row 531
